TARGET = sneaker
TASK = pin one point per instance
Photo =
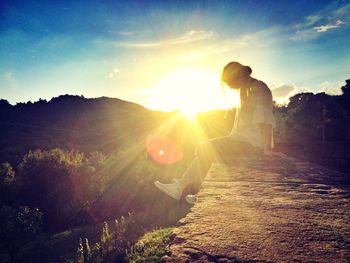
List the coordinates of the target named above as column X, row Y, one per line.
column 173, row 190
column 191, row 199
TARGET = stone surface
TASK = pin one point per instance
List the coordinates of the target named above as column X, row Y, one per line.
column 273, row 210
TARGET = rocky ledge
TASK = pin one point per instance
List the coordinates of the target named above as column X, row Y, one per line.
column 272, row 210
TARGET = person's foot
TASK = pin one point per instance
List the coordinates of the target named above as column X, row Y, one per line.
column 173, row 190
column 191, row 199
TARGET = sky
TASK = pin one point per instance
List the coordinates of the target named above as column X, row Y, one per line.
column 168, row 55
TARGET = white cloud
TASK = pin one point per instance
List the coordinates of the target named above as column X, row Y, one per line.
column 188, row 37
column 332, row 88
column 312, row 19
column 282, row 90
column 343, row 10
column 309, row 21
column 264, row 38
column 330, row 17
column 329, row 26
column 304, row 35
column 126, row 33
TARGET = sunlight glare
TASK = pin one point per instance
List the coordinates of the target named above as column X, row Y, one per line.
column 189, row 112
column 189, row 90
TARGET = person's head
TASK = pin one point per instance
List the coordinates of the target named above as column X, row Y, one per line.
column 235, row 75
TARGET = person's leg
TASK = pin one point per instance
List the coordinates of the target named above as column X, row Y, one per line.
column 206, row 153
column 196, row 171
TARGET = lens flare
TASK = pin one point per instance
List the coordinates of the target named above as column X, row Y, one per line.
column 163, row 150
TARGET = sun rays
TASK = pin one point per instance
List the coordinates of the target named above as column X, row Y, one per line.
column 189, row 90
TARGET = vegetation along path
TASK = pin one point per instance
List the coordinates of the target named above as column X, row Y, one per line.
column 273, row 210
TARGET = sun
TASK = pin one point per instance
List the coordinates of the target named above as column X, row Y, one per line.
column 188, row 90
column 189, row 113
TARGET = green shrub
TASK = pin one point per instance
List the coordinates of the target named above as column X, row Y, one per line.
column 7, row 184
column 113, row 243
column 61, row 183
column 7, row 174
column 17, row 227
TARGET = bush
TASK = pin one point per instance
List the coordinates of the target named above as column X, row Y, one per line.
column 7, row 174
column 7, row 183
column 113, row 243
column 60, row 183
column 17, row 227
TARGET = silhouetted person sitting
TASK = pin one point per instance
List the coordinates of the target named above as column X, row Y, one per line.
column 251, row 135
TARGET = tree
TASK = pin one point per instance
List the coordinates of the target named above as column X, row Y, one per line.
column 62, row 184
column 7, row 179
column 47, row 180
column 17, row 227
column 346, row 88
column 7, row 174
column 306, row 115
column 346, row 95
column 4, row 104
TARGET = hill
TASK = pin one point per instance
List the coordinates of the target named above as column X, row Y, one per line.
column 71, row 122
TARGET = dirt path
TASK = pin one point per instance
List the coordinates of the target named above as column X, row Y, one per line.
column 277, row 210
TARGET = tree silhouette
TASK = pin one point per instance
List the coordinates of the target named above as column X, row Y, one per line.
column 346, row 96
column 346, row 88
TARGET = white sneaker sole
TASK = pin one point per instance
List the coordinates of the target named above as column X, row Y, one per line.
column 167, row 191
column 191, row 199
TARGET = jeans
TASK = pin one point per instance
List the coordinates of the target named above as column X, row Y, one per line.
column 216, row 150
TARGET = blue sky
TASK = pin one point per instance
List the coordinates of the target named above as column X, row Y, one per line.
column 133, row 49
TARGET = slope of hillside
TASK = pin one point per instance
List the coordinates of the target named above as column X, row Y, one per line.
column 71, row 122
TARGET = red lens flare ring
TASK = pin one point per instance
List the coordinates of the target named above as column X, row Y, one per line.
column 163, row 150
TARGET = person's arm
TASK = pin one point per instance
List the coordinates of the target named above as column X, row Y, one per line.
column 266, row 136
column 235, row 122
column 263, row 116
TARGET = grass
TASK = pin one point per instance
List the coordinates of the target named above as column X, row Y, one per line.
column 62, row 246
column 58, row 246
column 151, row 247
